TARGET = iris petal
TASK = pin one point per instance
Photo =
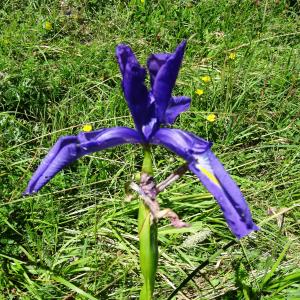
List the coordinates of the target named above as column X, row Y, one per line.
column 165, row 79
column 176, row 106
column 125, row 55
column 218, row 182
column 183, row 143
column 135, row 91
column 155, row 62
column 69, row 148
column 204, row 164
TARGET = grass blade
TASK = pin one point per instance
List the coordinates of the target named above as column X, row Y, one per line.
column 73, row 287
column 277, row 263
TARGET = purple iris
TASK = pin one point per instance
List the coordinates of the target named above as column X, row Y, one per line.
column 150, row 110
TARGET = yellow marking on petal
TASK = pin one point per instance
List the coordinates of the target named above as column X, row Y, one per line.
column 208, row 174
column 199, row 92
column 87, row 128
column 206, row 78
column 211, row 118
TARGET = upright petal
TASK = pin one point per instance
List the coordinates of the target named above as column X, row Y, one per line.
column 212, row 174
column 165, row 78
column 135, row 91
column 124, row 55
column 69, row 148
column 155, row 62
column 176, row 106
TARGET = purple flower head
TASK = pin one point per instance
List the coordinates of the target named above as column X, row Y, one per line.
column 150, row 110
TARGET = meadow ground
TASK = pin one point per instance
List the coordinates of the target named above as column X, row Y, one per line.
column 77, row 238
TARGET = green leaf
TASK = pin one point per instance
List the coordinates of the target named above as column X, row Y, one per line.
column 73, row 287
column 277, row 263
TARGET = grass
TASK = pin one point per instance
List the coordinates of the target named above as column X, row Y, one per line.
column 77, row 238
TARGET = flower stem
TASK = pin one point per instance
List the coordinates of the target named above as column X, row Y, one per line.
column 147, row 163
column 147, row 229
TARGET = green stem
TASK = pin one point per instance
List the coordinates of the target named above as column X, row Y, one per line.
column 148, row 239
column 147, row 163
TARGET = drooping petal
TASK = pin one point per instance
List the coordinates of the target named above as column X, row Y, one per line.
column 212, row 174
column 177, row 105
column 183, row 143
column 135, row 91
column 165, row 79
column 218, row 182
column 69, row 148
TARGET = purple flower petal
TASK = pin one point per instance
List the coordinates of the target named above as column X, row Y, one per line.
column 176, row 106
column 155, row 62
column 212, row 174
column 165, row 78
column 218, row 182
column 125, row 55
column 135, row 91
column 69, row 148
column 183, row 143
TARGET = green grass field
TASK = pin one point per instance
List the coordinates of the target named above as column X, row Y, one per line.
column 77, row 238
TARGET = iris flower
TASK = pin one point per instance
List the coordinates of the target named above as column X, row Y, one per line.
column 151, row 110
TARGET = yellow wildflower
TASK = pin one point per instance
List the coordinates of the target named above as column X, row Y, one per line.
column 232, row 55
column 199, row 92
column 48, row 26
column 87, row 128
column 206, row 78
column 142, row 1
column 211, row 118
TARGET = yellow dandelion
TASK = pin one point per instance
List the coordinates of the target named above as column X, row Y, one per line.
column 48, row 26
column 199, row 92
column 206, row 78
column 232, row 55
column 211, row 118
column 87, row 127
